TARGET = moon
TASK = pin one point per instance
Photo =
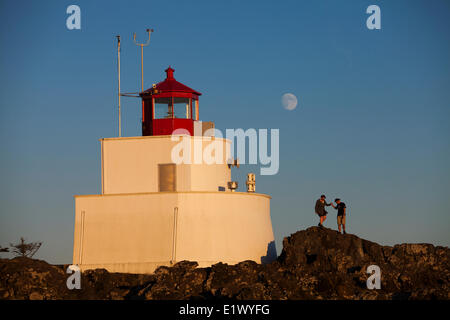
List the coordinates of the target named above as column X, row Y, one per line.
column 289, row 101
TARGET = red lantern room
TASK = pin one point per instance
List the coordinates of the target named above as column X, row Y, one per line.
column 167, row 106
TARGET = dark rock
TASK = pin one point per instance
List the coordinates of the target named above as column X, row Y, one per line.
column 315, row 264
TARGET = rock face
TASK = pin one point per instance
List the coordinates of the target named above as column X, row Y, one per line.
column 314, row 264
column 339, row 263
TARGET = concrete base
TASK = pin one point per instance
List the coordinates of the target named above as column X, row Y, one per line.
column 136, row 233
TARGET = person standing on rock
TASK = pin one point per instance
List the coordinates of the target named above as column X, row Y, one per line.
column 341, row 208
column 320, row 209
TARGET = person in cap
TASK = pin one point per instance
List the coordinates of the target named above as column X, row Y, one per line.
column 320, row 209
column 341, row 212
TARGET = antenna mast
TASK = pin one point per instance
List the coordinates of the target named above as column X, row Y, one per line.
column 142, row 45
column 118, row 95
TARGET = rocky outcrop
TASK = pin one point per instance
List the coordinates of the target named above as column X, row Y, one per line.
column 24, row 278
column 339, row 262
column 314, row 264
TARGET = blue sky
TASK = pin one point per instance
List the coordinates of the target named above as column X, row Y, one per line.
column 372, row 124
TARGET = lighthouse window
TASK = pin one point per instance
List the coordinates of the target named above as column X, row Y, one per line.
column 194, row 106
column 181, row 108
column 163, row 108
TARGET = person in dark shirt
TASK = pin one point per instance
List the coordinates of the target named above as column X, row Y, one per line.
column 341, row 212
column 320, row 209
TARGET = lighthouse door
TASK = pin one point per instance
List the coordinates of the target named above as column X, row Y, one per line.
column 167, row 177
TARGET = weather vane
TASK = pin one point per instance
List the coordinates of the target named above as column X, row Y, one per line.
column 149, row 31
column 142, row 45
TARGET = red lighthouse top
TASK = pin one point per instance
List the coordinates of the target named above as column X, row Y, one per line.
column 167, row 106
column 171, row 87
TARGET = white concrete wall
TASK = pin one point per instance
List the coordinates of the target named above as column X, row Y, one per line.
column 227, row 226
column 130, row 165
column 135, row 232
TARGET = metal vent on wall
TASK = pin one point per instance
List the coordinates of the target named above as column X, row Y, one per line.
column 167, row 177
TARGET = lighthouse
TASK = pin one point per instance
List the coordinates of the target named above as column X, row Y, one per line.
column 156, row 211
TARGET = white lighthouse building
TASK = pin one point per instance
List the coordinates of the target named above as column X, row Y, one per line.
column 153, row 211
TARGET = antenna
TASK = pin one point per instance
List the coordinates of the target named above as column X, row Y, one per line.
column 142, row 45
column 130, row 94
column 118, row 95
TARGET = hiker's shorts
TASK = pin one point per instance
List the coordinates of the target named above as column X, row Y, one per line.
column 340, row 220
